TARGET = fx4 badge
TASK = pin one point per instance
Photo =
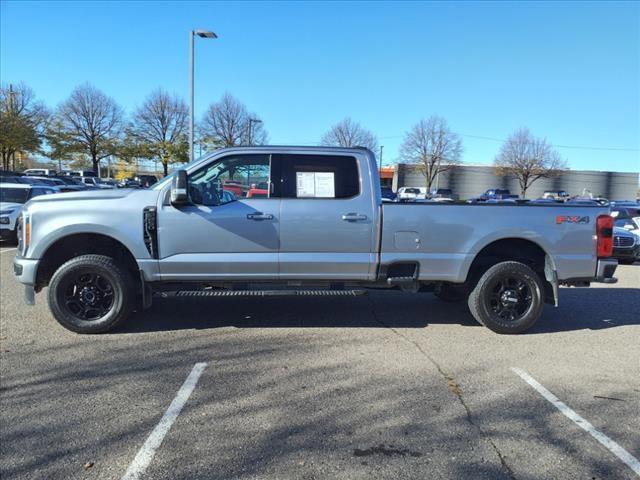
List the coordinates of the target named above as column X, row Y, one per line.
column 571, row 219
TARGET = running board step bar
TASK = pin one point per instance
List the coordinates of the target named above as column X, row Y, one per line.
column 266, row 293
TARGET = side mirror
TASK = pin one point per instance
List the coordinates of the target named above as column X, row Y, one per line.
column 180, row 188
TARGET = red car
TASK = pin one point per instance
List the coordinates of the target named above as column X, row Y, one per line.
column 261, row 190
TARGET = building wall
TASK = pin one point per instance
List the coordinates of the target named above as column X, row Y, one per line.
column 470, row 181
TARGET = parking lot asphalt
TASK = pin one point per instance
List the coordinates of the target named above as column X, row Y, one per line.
column 387, row 385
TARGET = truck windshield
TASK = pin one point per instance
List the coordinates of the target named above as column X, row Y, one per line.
column 14, row 195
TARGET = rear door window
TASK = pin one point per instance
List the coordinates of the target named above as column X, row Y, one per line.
column 318, row 176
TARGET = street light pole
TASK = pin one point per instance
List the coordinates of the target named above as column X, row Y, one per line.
column 251, row 122
column 381, row 147
column 192, row 34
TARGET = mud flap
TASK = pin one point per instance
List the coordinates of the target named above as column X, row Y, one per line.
column 147, row 293
column 29, row 295
column 552, row 277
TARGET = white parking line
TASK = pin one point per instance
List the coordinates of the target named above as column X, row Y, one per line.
column 148, row 450
column 8, row 249
column 632, row 462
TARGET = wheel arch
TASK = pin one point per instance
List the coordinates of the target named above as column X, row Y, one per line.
column 518, row 249
column 76, row 244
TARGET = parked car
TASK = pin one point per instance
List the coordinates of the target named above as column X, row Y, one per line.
column 625, row 203
column 12, row 197
column 323, row 230
column 234, row 187
column 388, row 194
column 444, row 194
column 626, row 246
column 39, row 172
column 259, row 190
column 62, row 186
column 72, row 183
column 559, row 195
column 21, row 179
column 146, row 180
column 627, row 218
column 9, row 173
column 128, row 183
column 411, row 193
column 589, row 198
column 82, row 173
column 96, row 182
column 496, row 194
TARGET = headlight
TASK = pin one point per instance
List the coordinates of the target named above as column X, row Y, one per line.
column 19, row 233
column 4, row 220
column 23, row 232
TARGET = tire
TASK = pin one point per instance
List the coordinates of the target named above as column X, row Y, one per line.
column 11, row 237
column 508, row 298
column 91, row 294
column 451, row 294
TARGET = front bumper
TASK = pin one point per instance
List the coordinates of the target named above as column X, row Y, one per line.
column 6, row 232
column 25, row 271
column 605, row 270
column 626, row 253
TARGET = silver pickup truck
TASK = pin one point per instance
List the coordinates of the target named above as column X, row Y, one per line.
column 299, row 221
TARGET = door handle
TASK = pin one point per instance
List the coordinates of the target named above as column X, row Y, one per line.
column 259, row 216
column 353, row 217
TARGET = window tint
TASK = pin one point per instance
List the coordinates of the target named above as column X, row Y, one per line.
column 230, row 178
column 319, row 176
column 36, row 192
column 14, row 195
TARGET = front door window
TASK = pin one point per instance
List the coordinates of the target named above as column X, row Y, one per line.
column 232, row 178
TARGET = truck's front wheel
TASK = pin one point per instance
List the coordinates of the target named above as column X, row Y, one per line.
column 91, row 294
column 508, row 298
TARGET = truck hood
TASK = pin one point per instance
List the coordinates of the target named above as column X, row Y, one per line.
column 97, row 195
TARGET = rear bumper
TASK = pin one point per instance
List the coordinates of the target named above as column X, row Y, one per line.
column 605, row 270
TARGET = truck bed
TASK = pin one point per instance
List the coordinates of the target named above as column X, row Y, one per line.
column 445, row 238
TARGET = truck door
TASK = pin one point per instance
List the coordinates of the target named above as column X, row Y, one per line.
column 224, row 234
column 327, row 218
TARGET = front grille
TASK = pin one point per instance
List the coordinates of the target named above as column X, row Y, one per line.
column 623, row 241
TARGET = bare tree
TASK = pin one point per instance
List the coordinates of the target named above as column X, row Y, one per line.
column 22, row 120
column 433, row 147
column 228, row 123
column 161, row 124
column 528, row 159
column 89, row 122
column 348, row 133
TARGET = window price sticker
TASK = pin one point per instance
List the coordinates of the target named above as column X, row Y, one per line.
column 315, row 185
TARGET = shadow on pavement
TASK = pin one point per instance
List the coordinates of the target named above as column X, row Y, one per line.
column 593, row 308
column 263, row 410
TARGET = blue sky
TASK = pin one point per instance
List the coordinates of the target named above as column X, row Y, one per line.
column 568, row 71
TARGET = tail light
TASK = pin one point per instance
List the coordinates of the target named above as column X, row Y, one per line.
column 604, row 234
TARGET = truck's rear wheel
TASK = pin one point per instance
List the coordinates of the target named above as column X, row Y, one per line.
column 508, row 298
column 91, row 294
